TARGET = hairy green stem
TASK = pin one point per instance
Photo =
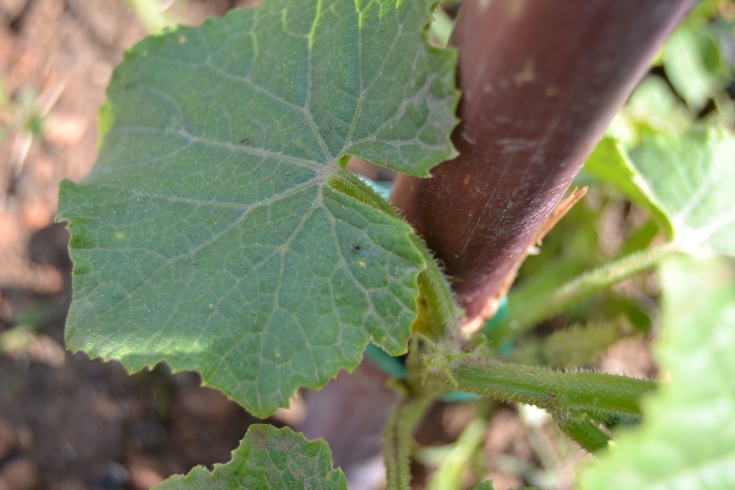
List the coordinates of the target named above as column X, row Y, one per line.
column 438, row 312
column 398, row 440
column 560, row 393
column 523, row 315
column 584, row 432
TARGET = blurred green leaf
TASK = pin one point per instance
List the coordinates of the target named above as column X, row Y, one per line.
column 692, row 178
column 153, row 15
column 441, row 27
column 640, row 238
column 267, row 458
column 449, row 474
column 654, row 107
column 638, row 317
column 610, row 163
column 685, row 182
column 579, row 345
column 687, row 70
column 687, row 440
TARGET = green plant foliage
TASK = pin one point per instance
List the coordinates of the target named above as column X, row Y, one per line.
column 219, row 230
column 686, row 67
column 488, row 485
column 267, row 458
column 654, row 104
column 680, row 180
column 689, row 176
column 688, row 437
column 579, row 345
column 609, row 162
column 448, row 476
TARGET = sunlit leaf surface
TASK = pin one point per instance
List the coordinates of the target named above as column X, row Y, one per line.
column 219, row 231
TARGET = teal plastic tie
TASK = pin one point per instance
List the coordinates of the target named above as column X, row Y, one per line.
column 382, row 187
column 459, row 397
column 393, row 366
column 507, row 347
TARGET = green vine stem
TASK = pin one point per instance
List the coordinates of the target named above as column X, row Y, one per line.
column 523, row 315
column 438, row 313
column 560, row 393
column 584, row 432
column 398, row 439
column 449, row 474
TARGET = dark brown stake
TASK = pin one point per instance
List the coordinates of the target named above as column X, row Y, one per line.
column 540, row 82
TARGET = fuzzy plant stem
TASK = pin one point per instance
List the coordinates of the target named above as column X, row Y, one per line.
column 560, row 393
column 523, row 315
column 398, row 439
column 584, row 432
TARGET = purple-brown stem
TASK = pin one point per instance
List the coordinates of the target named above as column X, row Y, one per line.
column 540, row 80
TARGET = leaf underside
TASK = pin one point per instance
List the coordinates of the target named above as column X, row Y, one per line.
column 609, row 162
column 219, row 230
column 267, row 458
column 687, row 439
column 684, row 181
column 692, row 178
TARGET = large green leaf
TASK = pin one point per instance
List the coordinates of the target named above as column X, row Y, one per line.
column 688, row 438
column 686, row 182
column 267, row 458
column 219, row 230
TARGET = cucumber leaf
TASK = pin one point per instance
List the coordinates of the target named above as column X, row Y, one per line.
column 685, row 182
column 610, row 163
column 219, row 230
column 267, row 458
column 692, row 178
column 687, row 439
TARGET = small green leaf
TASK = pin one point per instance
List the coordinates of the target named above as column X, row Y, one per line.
column 687, row 439
column 687, row 70
column 219, row 230
column 267, row 458
column 685, row 182
column 654, row 106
